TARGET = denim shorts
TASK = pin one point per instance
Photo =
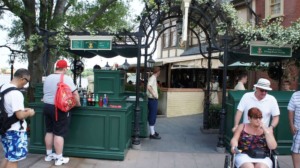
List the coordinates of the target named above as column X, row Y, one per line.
column 15, row 145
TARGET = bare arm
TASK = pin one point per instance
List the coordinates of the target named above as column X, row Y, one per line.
column 271, row 142
column 23, row 114
column 77, row 98
column 237, row 119
column 275, row 121
column 235, row 138
column 291, row 122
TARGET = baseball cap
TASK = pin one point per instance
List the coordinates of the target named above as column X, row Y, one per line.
column 61, row 64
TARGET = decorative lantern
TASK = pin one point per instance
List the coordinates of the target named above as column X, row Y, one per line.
column 150, row 62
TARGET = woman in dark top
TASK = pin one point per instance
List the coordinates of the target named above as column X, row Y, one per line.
column 253, row 135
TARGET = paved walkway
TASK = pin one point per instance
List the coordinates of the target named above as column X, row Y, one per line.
column 182, row 146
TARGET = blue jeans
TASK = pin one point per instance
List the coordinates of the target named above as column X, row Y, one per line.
column 152, row 107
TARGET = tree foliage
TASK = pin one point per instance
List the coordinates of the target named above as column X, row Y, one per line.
column 57, row 16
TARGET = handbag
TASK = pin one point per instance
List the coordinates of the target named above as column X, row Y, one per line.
column 256, row 153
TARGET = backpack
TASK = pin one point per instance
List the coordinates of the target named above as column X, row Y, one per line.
column 5, row 121
column 64, row 99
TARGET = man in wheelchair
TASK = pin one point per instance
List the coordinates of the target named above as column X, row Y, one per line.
column 252, row 142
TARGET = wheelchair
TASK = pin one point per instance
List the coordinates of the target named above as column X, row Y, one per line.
column 229, row 160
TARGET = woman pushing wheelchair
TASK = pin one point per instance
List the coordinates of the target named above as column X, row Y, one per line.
column 253, row 142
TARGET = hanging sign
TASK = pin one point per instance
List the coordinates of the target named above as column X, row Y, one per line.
column 261, row 48
column 90, row 42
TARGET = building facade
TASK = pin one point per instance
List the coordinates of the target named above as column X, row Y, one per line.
column 185, row 67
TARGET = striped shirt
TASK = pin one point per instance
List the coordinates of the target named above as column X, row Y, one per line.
column 294, row 106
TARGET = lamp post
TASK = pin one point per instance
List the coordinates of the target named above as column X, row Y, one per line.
column 11, row 62
column 136, row 143
column 221, row 144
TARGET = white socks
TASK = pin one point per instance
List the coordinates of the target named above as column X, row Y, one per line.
column 152, row 131
column 49, row 151
column 59, row 156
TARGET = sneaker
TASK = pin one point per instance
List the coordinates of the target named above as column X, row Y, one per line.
column 50, row 157
column 156, row 133
column 155, row 136
column 62, row 160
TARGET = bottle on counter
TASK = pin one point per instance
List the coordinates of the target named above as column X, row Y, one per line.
column 100, row 102
column 89, row 100
column 96, row 100
column 84, row 100
column 93, row 99
column 104, row 101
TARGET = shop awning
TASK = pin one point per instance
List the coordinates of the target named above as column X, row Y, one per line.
column 239, row 64
column 197, row 63
column 194, row 61
column 163, row 61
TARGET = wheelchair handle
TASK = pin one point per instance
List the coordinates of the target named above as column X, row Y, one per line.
column 236, row 150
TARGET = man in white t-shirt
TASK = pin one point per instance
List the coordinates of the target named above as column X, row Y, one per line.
column 14, row 140
column 259, row 99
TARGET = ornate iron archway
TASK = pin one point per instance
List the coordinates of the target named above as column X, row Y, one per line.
column 205, row 16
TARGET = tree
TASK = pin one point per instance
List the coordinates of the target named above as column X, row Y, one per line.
column 52, row 18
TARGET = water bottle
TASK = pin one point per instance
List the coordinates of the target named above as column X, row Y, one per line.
column 104, row 101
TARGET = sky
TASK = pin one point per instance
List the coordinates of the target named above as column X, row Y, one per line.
column 136, row 7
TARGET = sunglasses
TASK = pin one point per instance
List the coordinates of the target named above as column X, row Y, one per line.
column 256, row 118
column 26, row 80
column 262, row 90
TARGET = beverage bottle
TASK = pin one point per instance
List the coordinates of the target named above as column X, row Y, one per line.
column 96, row 100
column 84, row 100
column 100, row 103
column 93, row 99
column 104, row 101
column 89, row 100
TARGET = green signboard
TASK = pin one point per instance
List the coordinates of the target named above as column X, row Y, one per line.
column 262, row 49
column 90, row 44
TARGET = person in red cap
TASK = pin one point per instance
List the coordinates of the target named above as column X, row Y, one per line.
column 61, row 64
column 56, row 130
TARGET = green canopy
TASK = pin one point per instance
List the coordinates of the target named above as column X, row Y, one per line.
column 125, row 51
column 244, row 56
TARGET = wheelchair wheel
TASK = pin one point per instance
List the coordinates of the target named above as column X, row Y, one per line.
column 227, row 163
